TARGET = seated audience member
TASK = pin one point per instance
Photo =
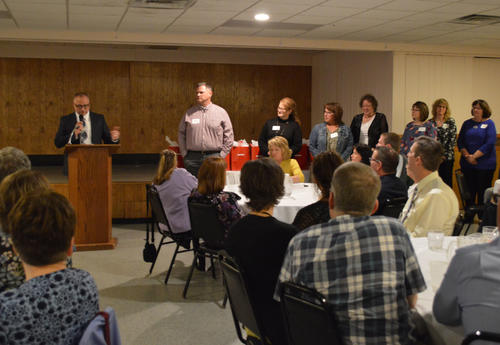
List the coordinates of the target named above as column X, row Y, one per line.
column 322, row 169
column 468, row 294
column 12, row 160
column 432, row 204
column 174, row 186
column 393, row 141
column 211, row 182
column 281, row 153
column 364, row 266
column 384, row 162
column 56, row 303
column 12, row 188
column 258, row 241
column 361, row 153
column 490, row 208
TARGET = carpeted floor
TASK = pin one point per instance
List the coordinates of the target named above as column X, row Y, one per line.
column 149, row 312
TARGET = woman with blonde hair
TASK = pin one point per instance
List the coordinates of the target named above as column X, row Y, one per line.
column 446, row 135
column 281, row 153
column 211, row 182
column 286, row 124
column 174, row 185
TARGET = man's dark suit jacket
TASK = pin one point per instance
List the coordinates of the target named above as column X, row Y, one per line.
column 100, row 131
column 391, row 187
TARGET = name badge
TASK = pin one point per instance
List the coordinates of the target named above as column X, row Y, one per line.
column 445, row 125
column 195, row 121
column 421, row 129
column 483, row 126
column 334, row 135
column 276, row 128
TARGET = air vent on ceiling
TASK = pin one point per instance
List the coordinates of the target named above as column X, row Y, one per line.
column 165, row 4
column 476, row 19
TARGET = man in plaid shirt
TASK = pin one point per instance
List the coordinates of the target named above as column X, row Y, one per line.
column 364, row 266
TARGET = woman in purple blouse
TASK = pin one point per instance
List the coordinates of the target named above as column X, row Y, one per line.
column 174, row 185
column 418, row 127
column 476, row 142
column 212, row 179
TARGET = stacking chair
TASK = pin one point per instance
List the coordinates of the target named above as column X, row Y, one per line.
column 159, row 217
column 242, row 306
column 102, row 330
column 308, row 317
column 468, row 204
column 481, row 335
column 207, row 227
column 394, row 206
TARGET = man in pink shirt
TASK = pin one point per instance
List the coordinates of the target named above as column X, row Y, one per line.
column 205, row 130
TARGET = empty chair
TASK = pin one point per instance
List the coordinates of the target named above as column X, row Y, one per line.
column 308, row 317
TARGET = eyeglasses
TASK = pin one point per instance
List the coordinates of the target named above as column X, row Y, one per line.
column 328, row 112
column 81, row 106
column 374, row 160
column 282, row 109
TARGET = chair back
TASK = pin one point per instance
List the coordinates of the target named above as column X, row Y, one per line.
column 394, row 206
column 157, row 211
column 463, row 189
column 102, row 330
column 205, row 224
column 308, row 317
column 481, row 335
column 241, row 304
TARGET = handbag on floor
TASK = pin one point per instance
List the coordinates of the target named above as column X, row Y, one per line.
column 149, row 251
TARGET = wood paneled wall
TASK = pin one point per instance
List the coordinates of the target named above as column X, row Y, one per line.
column 146, row 99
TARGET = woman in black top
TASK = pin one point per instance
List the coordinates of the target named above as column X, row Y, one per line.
column 286, row 125
column 322, row 169
column 258, row 242
column 376, row 121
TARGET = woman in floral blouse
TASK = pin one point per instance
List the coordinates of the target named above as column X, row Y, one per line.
column 446, row 135
column 418, row 127
column 211, row 182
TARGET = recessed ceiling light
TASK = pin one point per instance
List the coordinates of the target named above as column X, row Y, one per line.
column 261, row 17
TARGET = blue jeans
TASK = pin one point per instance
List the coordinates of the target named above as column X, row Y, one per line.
column 194, row 159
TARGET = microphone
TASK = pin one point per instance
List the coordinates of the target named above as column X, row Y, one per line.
column 82, row 120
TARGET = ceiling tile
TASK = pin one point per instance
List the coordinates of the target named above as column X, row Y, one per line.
column 327, row 32
column 481, row 2
column 35, row 2
column 235, row 31
column 383, row 15
column 95, row 10
column 409, row 5
column 437, row 40
column 363, row 4
column 462, row 9
column 2, row 6
column 296, row 2
column 304, row 19
column 100, row 3
column 7, row 24
column 97, row 23
column 190, row 29
column 201, row 15
column 359, row 23
column 148, row 20
column 334, row 12
column 225, row 5
column 279, row 33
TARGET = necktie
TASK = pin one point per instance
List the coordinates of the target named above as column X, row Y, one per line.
column 83, row 134
column 412, row 204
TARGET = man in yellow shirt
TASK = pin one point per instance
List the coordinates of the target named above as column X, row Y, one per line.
column 432, row 204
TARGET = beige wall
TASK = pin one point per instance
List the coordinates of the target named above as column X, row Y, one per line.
column 346, row 76
column 458, row 79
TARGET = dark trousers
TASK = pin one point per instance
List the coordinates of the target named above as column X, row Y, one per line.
column 194, row 159
column 477, row 182
column 446, row 172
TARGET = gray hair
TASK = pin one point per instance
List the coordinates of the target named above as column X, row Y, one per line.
column 11, row 160
column 207, row 85
column 355, row 187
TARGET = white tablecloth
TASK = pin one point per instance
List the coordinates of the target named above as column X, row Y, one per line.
column 303, row 194
column 437, row 261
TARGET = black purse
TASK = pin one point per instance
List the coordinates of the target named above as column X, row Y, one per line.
column 149, row 252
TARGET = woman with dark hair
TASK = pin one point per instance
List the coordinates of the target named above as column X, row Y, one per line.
column 322, row 169
column 418, row 127
column 332, row 134
column 361, row 153
column 12, row 188
column 446, row 135
column 367, row 126
column 211, row 182
column 286, row 124
column 258, row 242
column 476, row 143
column 174, row 186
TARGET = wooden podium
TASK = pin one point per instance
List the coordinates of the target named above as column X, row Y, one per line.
column 89, row 184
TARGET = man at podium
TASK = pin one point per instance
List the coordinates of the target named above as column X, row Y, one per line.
column 84, row 126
